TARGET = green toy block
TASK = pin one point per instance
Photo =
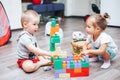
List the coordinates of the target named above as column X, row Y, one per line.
column 52, row 46
column 71, row 64
column 57, row 63
column 53, row 22
column 51, row 59
column 84, row 64
column 55, row 39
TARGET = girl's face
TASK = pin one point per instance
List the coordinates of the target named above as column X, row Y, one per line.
column 32, row 24
column 90, row 28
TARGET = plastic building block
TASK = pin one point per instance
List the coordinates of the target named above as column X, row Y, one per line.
column 64, row 75
column 57, row 28
column 64, row 64
column 55, row 39
column 60, row 71
column 52, row 47
column 58, row 63
column 77, row 70
column 85, row 64
column 71, row 66
column 53, row 22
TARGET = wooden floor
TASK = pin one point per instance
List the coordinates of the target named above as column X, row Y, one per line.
column 10, row 71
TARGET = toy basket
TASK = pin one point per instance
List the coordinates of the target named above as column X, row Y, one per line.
column 77, row 46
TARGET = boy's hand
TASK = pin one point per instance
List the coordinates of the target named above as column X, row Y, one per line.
column 46, row 57
column 53, row 55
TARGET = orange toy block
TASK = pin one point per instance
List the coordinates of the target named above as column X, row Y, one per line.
column 64, row 66
column 52, row 31
column 77, row 70
column 57, row 28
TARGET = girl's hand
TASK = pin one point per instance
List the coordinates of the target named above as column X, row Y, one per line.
column 85, row 52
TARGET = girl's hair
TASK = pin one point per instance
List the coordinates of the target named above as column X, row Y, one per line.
column 101, row 20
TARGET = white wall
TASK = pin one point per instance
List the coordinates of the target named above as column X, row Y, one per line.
column 97, row 2
column 77, row 7
column 13, row 9
column 112, row 8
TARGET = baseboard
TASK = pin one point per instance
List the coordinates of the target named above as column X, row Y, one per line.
column 17, row 29
column 74, row 17
column 113, row 26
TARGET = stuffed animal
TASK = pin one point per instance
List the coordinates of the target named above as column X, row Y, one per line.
column 77, row 35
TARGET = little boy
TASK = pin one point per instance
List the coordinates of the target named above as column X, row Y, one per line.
column 30, row 56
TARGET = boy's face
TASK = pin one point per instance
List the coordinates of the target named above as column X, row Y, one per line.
column 32, row 24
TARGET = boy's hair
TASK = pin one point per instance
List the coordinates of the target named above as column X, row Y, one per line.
column 100, row 20
column 26, row 15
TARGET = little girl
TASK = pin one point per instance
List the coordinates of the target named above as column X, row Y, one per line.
column 99, row 44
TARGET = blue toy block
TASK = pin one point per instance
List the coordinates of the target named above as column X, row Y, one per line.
column 56, row 75
column 68, row 64
column 65, row 59
column 60, row 71
column 87, row 59
column 70, row 58
column 77, row 64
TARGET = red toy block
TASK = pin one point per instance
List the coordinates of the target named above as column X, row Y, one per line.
column 83, row 72
column 69, row 71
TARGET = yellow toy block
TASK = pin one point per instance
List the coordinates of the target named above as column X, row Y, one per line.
column 59, row 52
column 63, row 55
column 64, row 75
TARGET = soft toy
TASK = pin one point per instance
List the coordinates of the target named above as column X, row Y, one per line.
column 77, row 35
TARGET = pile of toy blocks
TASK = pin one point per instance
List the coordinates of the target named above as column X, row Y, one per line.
column 54, row 38
column 71, row 66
